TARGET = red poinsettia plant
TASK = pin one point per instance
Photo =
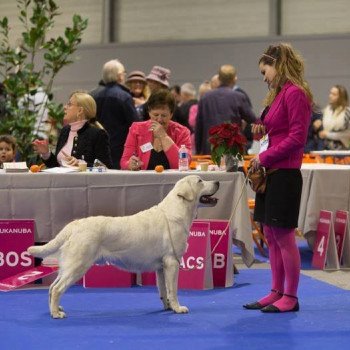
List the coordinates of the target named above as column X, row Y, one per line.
column 226, row 139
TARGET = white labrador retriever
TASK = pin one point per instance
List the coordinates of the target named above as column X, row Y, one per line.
column 152, row 240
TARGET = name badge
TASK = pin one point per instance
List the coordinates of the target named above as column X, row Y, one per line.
column 264, row 143
column 146, row 147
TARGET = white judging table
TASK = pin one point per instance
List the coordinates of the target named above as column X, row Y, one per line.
column 334, row 153
column 53, row 200
column 325, row 186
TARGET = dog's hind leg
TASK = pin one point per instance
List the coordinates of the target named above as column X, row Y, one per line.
column 171, row 274
column 50, row 291
column 162, row 289
column 68, row 275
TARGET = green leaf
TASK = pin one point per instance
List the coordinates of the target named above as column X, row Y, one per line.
column 34, row 69
column 48, row 56
column 4, row 22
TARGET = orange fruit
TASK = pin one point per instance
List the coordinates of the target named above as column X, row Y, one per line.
column 159, row 168
column 35, row 168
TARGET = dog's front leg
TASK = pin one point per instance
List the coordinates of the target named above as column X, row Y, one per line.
column 171, row 274
column 162, row 289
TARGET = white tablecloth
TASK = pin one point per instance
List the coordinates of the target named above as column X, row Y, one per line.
column 335, row 153
column 53, row 200
column 325, row 186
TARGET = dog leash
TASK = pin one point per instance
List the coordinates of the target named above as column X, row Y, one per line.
column 246, row 179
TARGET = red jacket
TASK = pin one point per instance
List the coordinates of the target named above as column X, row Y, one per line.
column 139, row 134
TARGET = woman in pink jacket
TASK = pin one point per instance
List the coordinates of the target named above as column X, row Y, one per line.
column 157, row 140
column 285, row 123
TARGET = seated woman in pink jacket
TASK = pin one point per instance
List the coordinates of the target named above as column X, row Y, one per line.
column 155, row 141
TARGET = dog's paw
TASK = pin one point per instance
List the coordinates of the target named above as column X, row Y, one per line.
column 181, row 309
column 59, row 314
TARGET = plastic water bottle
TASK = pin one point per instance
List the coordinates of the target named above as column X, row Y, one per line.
column 183, row 158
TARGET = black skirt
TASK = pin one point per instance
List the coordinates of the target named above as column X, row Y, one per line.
column 279, row 205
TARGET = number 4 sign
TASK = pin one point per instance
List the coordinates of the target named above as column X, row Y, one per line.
column 325, row 249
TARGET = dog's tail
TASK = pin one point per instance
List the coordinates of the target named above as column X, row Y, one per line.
column 52, row 246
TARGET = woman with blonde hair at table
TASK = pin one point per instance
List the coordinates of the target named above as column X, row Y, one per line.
column 156, row 141
column 285, row 123
column 336, row 120
column 82, row 137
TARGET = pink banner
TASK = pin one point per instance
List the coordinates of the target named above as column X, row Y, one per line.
column 220, row 249
column 322, row 239
column 340, row 227
column 107, row 276
column 221, row 258
column 195, row 268
column 26, row 277
column 15, row 237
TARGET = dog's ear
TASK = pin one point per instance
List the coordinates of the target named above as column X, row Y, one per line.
column 186, row 192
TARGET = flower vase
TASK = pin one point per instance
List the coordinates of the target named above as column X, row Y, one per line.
column 231, row 163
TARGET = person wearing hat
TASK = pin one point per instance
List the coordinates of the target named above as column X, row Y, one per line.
column 137, row 84
column 158, row 78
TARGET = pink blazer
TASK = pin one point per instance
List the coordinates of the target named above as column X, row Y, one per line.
column 287, row 123
column 139, row 134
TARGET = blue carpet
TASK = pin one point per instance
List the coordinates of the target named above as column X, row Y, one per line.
column 305, row 255
column 131, row 318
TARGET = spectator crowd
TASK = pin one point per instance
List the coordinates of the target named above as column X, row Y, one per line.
column 137, row 120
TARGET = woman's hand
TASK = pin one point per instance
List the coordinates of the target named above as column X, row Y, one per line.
column 70, row 160
column 258, row 129
column 135, row 163
column 40, row 146
column 317, row 124
column 158, row 130
column 322, row 134
column 255, row 162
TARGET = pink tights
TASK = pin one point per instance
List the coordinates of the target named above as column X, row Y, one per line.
column 285, row 267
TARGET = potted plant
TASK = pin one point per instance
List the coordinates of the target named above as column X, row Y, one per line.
column 28, row 68
column 226, row 140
